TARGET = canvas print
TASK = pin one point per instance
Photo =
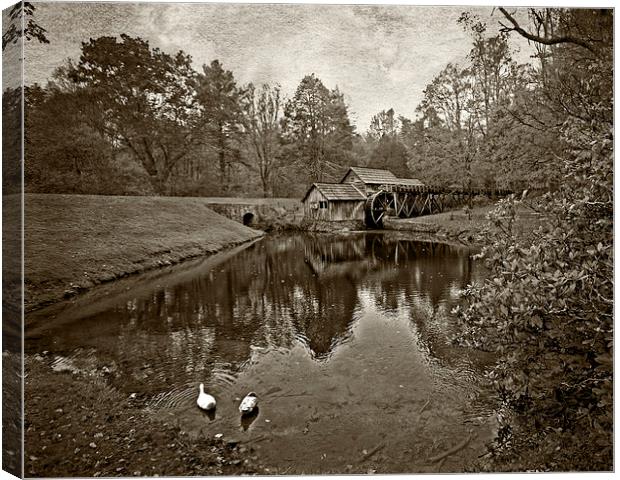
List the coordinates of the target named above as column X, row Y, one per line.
column 293, row 239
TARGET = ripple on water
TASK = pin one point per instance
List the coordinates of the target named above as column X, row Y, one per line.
column 344, row 340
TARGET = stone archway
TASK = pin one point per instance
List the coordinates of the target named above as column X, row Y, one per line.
column 248, row 218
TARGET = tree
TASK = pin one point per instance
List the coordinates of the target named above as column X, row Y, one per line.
column 388, row 151
column 262, row 132
column 547, row 307
column 316, row 123
column 491, row 68
column 449, row 134
column 220, row 98
column 141, row 98
column 434, row 152
column 12, row 140
column 23, row 25
column 383, row 124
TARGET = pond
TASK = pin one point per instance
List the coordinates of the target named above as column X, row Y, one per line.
column 345, row 339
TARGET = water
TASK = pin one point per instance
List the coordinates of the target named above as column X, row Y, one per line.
column 344, row 339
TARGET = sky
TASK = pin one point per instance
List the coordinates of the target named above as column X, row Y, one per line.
column 379, row 56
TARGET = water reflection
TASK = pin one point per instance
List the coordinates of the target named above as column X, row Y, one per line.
column 281, row 292
column 248, row 419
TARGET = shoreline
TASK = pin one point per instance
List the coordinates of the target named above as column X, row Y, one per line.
column 186, row 238
column 160, row 262
column 74, row 243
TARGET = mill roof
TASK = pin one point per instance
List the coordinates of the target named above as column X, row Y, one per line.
column 337, row 191
column 372, row 175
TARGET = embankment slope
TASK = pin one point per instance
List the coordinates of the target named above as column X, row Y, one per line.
column 467, row 227
column 73, row 242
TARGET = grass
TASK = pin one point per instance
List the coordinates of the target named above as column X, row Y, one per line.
column 73, row 242
column 468, row 227
column 102, row 432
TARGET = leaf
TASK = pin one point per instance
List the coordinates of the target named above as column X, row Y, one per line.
column 536, row 321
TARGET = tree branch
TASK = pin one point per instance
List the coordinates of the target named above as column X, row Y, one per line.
column 537, row 38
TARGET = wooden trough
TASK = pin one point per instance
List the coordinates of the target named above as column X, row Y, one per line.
column 407, row 201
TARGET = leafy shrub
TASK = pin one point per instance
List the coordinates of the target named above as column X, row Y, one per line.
column 547, row 309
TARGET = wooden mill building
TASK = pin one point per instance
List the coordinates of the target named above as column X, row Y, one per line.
column 334, row 202
column 346, row 200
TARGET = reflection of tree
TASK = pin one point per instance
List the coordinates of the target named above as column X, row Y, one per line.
column 299, row 303
column 324, row 320
column 276, row 292
column 429, row 270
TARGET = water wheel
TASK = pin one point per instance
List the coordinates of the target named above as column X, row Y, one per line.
column 378, row 205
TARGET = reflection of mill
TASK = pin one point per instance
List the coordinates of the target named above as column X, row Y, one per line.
column 377, row 258
column 337, row 257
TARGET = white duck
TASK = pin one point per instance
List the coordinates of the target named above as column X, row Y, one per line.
column 205, row 401
column 248, row 404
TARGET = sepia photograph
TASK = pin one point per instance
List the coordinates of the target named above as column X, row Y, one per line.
column 306, row 239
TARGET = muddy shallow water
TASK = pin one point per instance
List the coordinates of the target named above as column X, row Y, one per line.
column 343, row 338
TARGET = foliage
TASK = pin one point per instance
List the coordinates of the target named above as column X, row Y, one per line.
column 317, row 124
column 547, row 307
column 141, row 98
column 11, row 140
column 76, row 157
column 23, row 25
column 391, row 154
column 434, row 153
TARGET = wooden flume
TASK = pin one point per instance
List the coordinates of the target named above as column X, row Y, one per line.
column 407, row 201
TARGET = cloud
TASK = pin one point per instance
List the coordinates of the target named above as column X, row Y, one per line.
column 379, row 56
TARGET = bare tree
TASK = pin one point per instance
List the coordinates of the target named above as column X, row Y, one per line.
column 384, row 124
column 262, row 132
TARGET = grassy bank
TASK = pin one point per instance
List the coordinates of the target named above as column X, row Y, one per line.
column 463, row 226
column 102, row 432
column 73, row 242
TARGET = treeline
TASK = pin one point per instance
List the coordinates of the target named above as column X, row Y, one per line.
column 481, row 124
column 127, row 118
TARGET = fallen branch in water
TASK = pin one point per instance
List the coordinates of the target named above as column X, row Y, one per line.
column 372, row 452
column 443, row 460
column 453, row 450
column 425, row 405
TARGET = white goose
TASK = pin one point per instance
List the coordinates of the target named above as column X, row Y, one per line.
column 205, row 401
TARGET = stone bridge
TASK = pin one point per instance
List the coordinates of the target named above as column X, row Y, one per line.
column 258, row 211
